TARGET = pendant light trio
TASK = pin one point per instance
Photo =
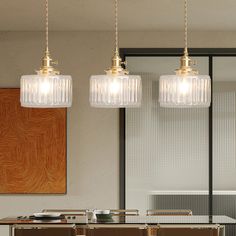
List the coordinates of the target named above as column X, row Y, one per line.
column 116, row 88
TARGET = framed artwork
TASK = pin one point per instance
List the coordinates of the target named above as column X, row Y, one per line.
column 32, row 147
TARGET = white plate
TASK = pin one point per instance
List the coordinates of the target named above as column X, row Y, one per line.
column 47, row 214
column 43, row 221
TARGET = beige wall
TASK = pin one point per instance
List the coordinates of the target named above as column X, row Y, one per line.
column 93, row 155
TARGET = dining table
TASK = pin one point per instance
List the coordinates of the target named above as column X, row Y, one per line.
column 148, row 225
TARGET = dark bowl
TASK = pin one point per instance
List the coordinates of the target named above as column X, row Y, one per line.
column 104, row 216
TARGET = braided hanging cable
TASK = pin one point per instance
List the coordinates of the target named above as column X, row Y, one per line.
column 116, row 28
column 46, row 8
column 185, row 27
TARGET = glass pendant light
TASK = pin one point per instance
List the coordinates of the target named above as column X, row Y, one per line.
column 186, row 88
column 46, row 89
column 116, row 88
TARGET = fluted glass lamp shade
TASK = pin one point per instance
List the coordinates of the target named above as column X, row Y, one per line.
column 46, row 91
column 180, row 91
column 115, row 91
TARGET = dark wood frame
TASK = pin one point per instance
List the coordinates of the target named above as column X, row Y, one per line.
column 170, row 52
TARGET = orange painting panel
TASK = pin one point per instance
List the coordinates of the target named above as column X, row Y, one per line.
column 32, row 147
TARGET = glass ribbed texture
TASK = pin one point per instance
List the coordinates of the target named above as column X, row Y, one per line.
column 185, row 91
column 48, row 91
column 115, row 91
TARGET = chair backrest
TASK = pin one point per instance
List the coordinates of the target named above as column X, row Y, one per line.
column 125, row 212
column 181, row 212
column 117, row 230
column 189, row 230
column 43, row 229
column 77, row 212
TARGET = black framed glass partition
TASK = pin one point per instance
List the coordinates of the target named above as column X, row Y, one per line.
column 224, row 137
column 180, row 158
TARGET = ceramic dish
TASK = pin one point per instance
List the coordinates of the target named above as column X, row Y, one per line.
column 47, row 215
column 102, row 212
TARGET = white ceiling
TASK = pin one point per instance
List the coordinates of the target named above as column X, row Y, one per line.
column 135, row 15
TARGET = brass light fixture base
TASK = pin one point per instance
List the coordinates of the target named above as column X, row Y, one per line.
column 116, row 68
column 47, row 68
column 186, row 65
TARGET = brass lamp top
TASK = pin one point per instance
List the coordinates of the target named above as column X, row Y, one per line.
column 116, row 68
column 47, row 68
column 186, row 65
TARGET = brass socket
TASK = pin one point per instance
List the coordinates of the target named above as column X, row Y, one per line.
column 47, row 68
column 186, row 66
column 116, row 68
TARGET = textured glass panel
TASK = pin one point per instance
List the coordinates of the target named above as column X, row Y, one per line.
column 46, row 91
column 166, row 149
column 115, row 91
column 224, row 138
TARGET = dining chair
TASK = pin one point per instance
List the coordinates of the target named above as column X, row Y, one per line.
column 177, row 212
column 124, row 212
column 188, row 230
column 116, row 230
column 43, row 229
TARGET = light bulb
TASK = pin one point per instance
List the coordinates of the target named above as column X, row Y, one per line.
column 44, row 87
column 114, row 87
column 184, row 87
